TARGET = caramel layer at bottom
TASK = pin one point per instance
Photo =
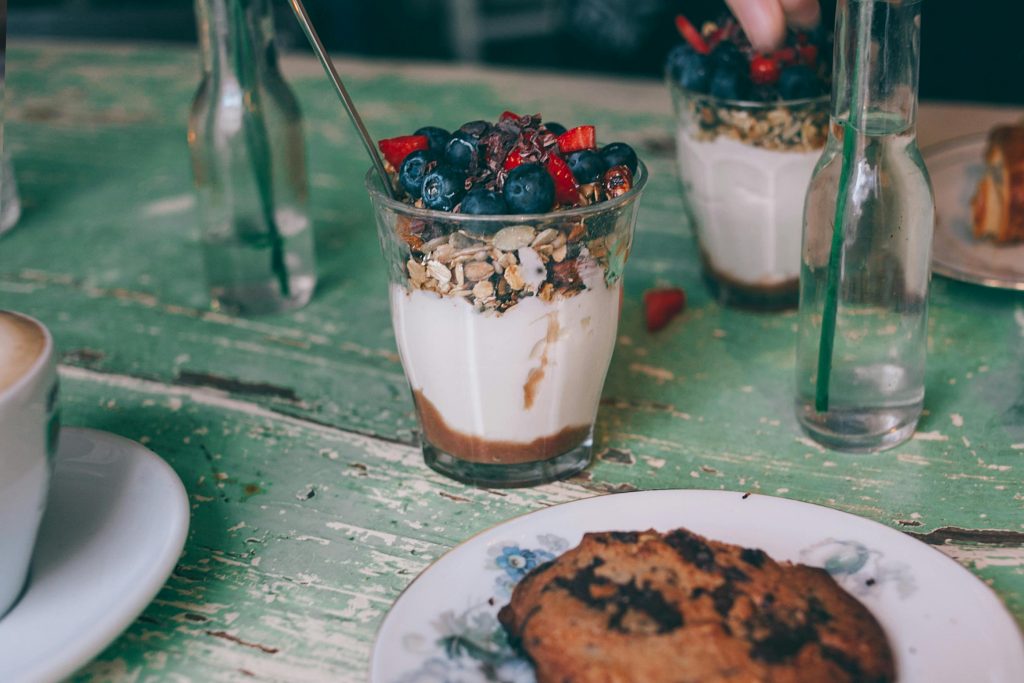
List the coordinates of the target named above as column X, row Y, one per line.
column 485, row 451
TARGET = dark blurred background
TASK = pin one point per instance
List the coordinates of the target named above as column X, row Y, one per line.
column 970, row 51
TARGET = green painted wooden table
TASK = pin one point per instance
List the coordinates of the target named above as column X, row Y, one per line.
column 294, row 434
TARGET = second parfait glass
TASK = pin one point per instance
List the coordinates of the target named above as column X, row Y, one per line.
column 505, row 326
column 745, row 167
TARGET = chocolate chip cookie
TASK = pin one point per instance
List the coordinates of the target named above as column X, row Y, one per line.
column 677, row 607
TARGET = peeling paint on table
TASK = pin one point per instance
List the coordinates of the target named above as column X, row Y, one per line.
column 294, row 434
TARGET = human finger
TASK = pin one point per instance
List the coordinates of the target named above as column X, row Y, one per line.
column 763, row 21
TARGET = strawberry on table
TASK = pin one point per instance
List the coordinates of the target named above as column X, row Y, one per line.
column 661, row 305
column 396, row 149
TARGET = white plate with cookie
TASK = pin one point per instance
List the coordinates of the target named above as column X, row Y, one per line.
column 956, row 167
column 942, row 622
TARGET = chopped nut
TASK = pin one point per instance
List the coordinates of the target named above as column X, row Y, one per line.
column 597, row 248
column 514, row 237
column 435, row 243
column 460, row 274
column 578, row 231
column 546, row 236
column 513, row 278
column 483, row 290
column 471, row 253
column 477, row 270
column 439, row 272
column 417, row 273
column 559, row 253
column 444, row 253
column 461, row 241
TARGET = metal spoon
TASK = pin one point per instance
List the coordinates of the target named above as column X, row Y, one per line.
column 350, row 107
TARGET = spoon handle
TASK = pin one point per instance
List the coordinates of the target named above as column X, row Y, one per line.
column 350, row 107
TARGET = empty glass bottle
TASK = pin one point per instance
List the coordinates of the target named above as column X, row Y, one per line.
column 248, row 159
column 864, row 283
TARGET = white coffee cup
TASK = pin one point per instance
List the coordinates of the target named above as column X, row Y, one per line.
column 29, row 425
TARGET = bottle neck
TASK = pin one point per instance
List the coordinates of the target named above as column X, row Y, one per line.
column 236, row 39
column 882, row 80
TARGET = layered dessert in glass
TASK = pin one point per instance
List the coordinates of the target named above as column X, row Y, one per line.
column 750, row 129
column 505, row 285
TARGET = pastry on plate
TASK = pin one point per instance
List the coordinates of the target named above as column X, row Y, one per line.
column 998, row 205
column 677, row 607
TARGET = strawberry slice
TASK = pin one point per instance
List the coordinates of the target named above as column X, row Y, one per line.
column 786, row 55
column 567, row 191
column 576, row 139
column 509, row 116
column 808, row 54
column 395, row 150
column 512, row 159
column 691, row 35
column 661, row 305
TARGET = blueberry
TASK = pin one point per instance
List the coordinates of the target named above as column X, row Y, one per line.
column 586, row 165
column 555, row 128
column 729, row 83
column 413, row 169
column 619, row 154
column 443, row 188
column 438, row 137
column 462, row 150
column 483, row 202
column 798, row 82
column 529, row 189
column 475, row 129
column 727, row 54
column 689, row 68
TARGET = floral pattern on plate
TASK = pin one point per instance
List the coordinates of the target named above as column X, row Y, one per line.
column 470, row 645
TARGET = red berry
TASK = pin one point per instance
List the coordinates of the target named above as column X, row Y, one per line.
column 691, row 35
column 786, row 55
column 576, row 139
column 567, row 190
column 808, row 54
column 764, row 70
column 513, row 159
column 395, row 150
column 661, row 305
column 509, row 116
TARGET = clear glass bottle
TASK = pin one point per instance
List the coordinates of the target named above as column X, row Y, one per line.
column 248, row 159
column 864, row 291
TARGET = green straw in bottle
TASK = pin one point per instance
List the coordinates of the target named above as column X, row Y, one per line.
column 852, row 132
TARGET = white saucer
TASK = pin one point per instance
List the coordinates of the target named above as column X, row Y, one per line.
column 956, row 166
column 942, row 622
column 113, row 530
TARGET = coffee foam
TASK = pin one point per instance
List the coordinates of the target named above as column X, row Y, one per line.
column 22, row 342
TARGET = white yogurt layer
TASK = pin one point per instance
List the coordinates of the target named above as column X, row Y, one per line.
column 476, row 367
column 748, row 203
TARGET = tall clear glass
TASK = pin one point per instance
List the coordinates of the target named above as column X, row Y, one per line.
column 248, row 159
column 860, row 384
column 506, row 326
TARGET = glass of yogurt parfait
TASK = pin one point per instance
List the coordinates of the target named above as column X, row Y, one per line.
column 505, row 324
column 750, row 129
